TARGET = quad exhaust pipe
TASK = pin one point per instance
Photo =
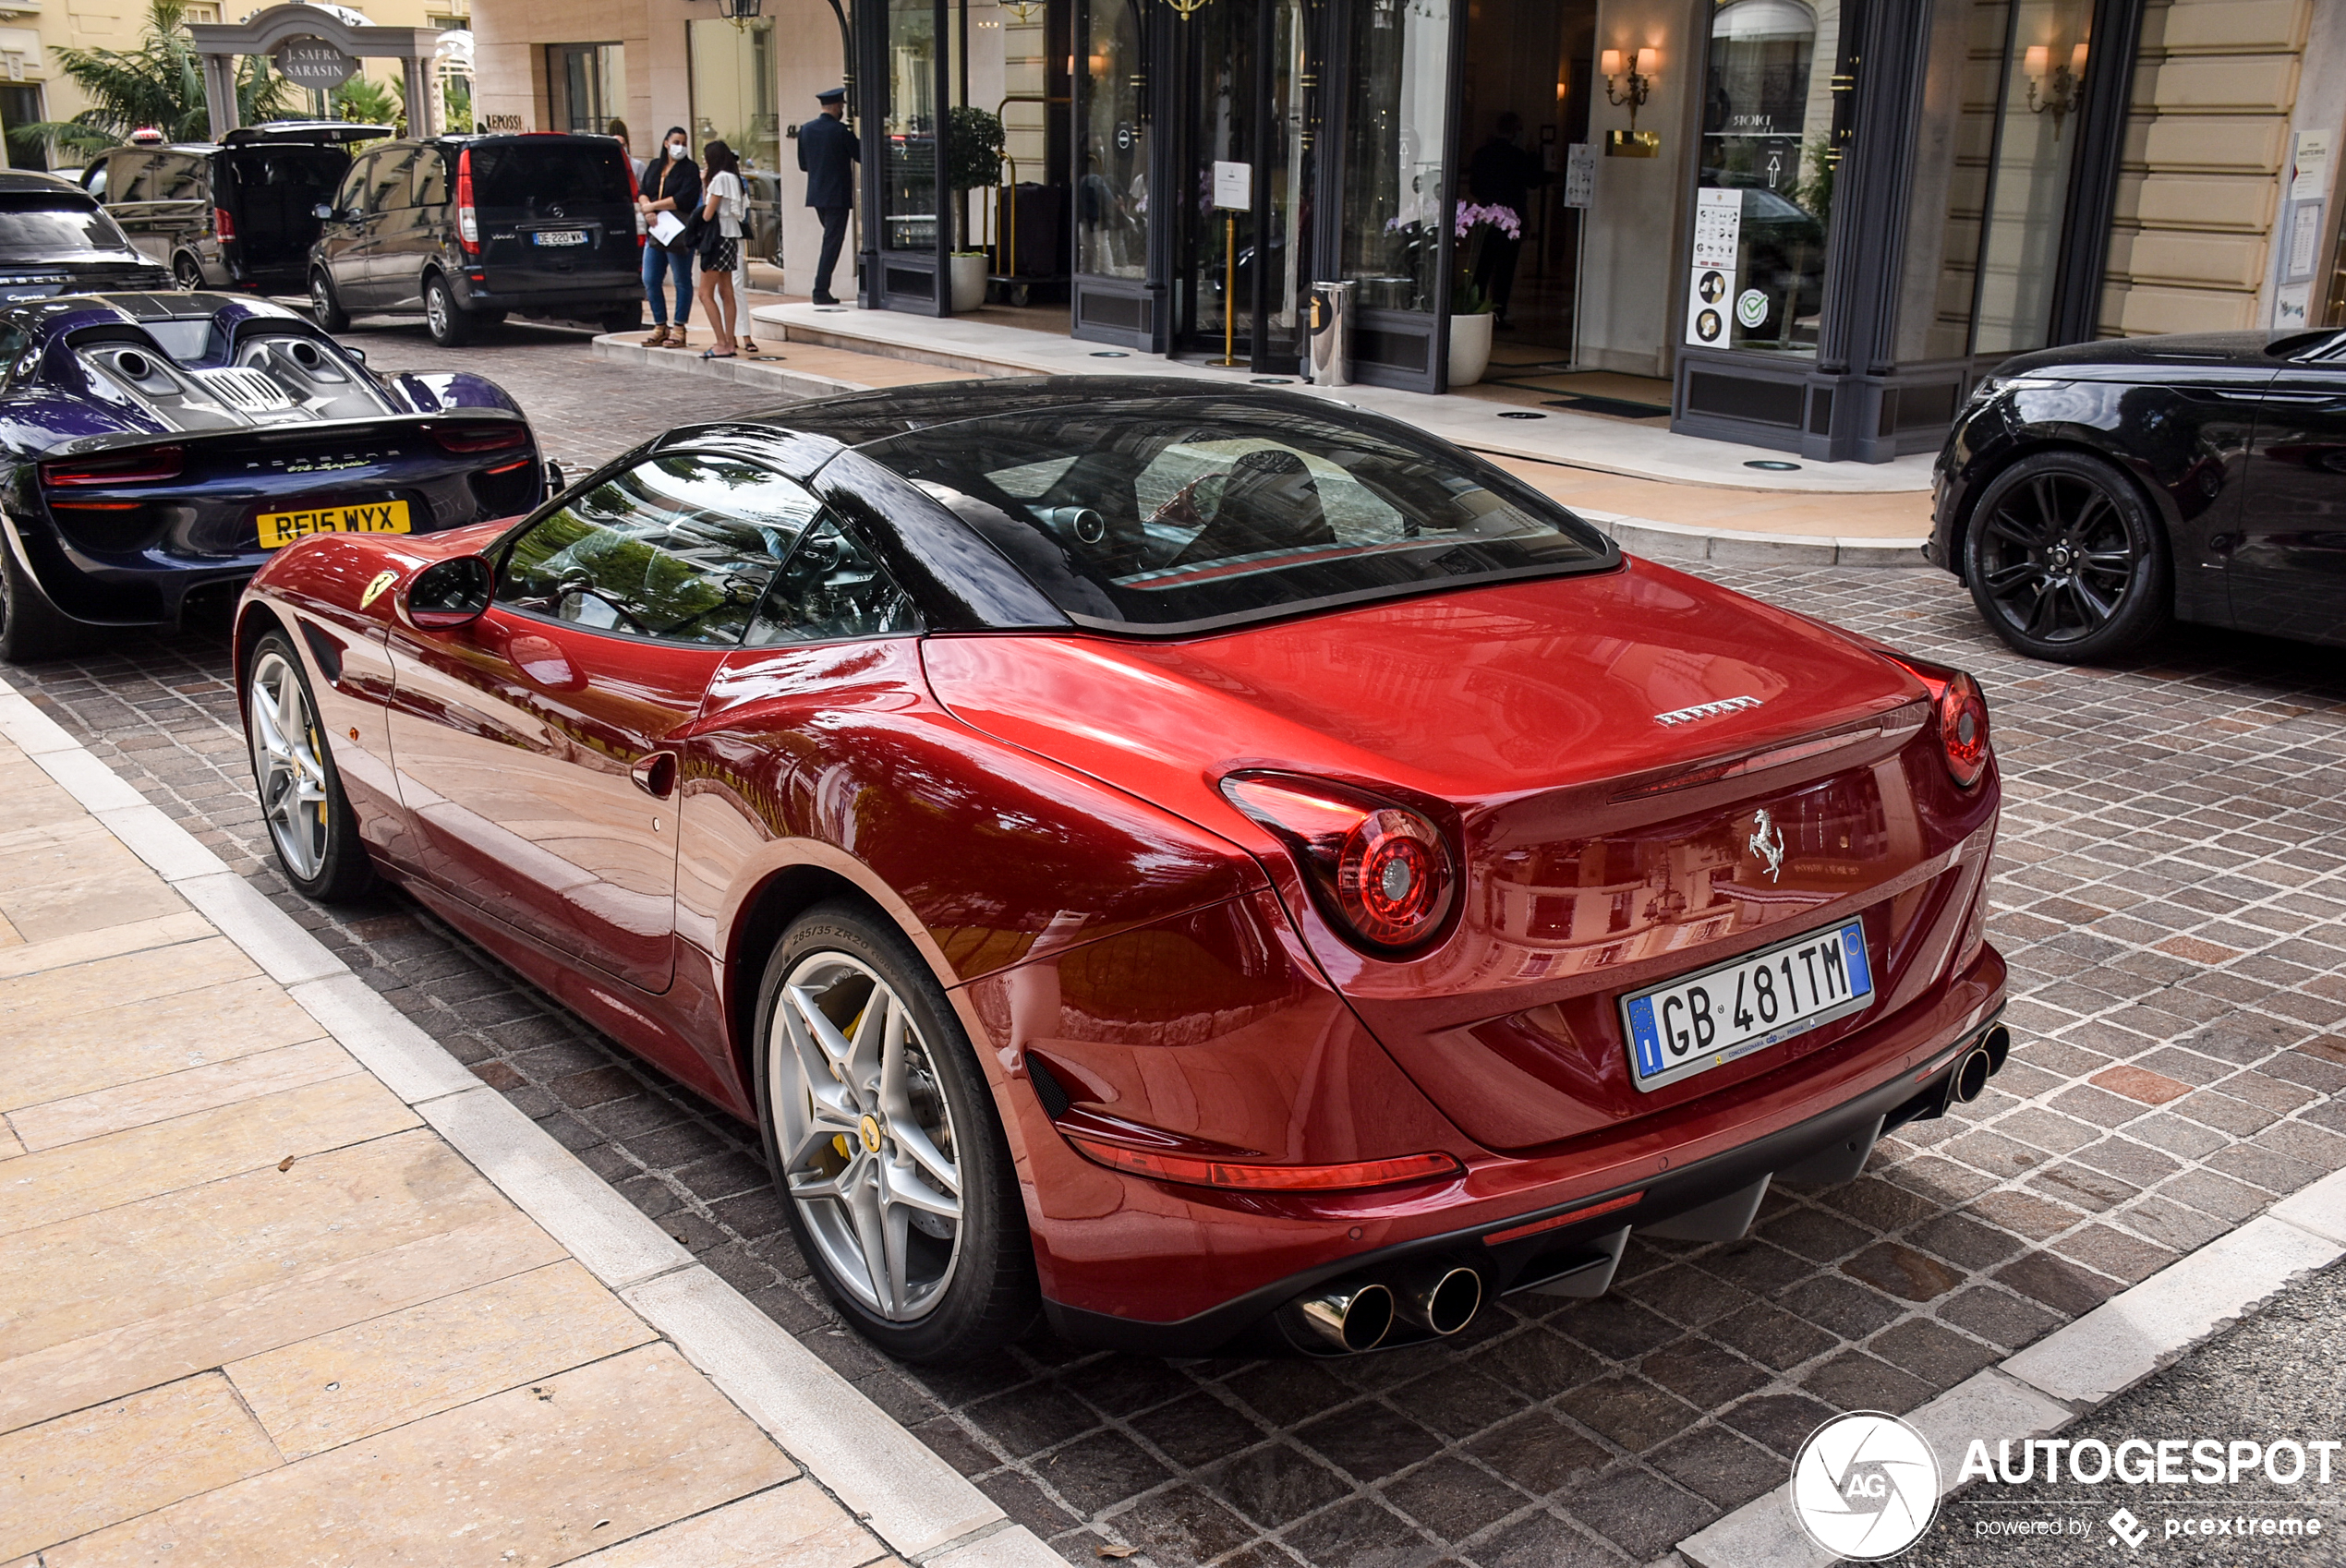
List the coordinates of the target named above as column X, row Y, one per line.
column 1353, row 1315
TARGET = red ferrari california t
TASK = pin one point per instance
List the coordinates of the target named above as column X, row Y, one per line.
column 1222, row 868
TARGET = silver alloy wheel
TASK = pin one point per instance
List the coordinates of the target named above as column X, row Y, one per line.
column 187, row 275
column 436, row 309
column 288, row 763
column 867, row 1136
column 321, row 299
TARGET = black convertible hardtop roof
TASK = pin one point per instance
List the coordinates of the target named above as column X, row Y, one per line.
column 861, row 418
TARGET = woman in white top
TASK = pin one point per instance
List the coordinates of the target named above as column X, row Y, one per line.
column 723, row 205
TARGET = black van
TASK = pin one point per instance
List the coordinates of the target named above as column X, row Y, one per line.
column 468, row 228
column 238, row 215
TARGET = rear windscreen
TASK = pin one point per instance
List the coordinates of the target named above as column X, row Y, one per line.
column 1185, row 514
column 518, row 176
column 317, row 169
column 38, row 226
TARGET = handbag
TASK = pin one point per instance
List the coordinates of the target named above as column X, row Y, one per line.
column 689, row 239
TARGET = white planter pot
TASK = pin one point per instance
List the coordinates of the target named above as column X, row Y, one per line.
column 969, row 280
column 1470, row 348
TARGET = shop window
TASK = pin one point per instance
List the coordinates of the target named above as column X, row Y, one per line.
column 1112, row 196
column 588, row 81
column 20, row 107
column 1398, row 145
column 908, row 180
column 733, row 78
column 1774, row 114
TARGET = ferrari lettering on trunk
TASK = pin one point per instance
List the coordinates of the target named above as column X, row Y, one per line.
column 1705, row 710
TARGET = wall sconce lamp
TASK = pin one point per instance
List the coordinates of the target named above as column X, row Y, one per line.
column 1639, row 68
column 2054, row 89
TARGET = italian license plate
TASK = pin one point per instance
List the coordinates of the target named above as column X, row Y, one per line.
column 1744, row 1005
column 279, row 529
column 558, row 236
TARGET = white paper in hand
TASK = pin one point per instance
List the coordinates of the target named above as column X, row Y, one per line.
column 665, row 227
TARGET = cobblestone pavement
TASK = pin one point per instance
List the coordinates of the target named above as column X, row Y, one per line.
column 2170, row 900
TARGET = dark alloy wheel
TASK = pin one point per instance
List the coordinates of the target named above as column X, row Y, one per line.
column 325, row 305
column 885, row 1143
column 310, row 823
column 188, row 272
column 2066, row 559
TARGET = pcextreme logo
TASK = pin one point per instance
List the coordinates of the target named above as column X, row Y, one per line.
column 1865, row 1486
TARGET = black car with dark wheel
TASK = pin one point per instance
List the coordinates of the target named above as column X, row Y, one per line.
column 2088, row 496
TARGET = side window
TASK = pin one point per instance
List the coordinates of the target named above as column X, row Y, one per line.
column 180, row 178
column 351, row 197
column 387, row 181
column 430, row 181
column 831, row 588
column 680, row 548
column 130, row 177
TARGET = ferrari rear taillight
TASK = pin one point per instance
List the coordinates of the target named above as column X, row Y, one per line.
column 465, row 439
column 467, row 221
column 1355, row 1176
column 1381, row 869
column 138, row 466
column 1962, row 712
column 224, row 227
column 1963, row 728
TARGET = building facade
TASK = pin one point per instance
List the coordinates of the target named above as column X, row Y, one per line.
column 1811, row 224
column 34, row 89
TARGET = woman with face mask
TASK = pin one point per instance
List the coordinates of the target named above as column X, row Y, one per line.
column 670, row 185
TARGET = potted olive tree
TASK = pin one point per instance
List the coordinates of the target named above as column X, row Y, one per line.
column 973, row 161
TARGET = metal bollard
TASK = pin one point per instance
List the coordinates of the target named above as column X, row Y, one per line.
column 1331, row 334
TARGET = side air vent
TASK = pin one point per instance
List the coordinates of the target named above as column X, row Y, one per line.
column 250, row 391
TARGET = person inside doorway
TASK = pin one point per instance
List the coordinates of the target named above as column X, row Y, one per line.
column 1502, row 173
column 826, row 153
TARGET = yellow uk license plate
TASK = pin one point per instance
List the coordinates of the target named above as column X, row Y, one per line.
column 279, row 529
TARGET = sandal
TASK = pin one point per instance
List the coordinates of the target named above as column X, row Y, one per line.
column 659, row 338
column 717, row 354
column 747, row 346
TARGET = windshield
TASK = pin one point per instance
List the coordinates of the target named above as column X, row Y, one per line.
column 547, row 175
column 61, row 227
column 1163, row 515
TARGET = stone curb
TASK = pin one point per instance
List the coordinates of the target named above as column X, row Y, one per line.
column 920, row 1506
column 2078, row 1369
column 1669, row 542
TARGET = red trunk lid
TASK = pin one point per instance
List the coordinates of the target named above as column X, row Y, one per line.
column 1555, row 721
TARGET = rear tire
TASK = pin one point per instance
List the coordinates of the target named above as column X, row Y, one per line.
column 188, row 272
column 626, row 320
column 2066, row 559
column 902, row 1150
column 311, row 827
column 30, row 628
column 451, row 326
column 325, row 305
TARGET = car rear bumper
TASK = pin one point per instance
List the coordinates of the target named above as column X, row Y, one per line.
column 603, row 293
column 1099, row 1287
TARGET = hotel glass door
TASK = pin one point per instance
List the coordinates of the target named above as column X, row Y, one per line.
column 1242, row 275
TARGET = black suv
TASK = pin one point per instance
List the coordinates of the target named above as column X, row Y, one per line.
column 55, row 239
column 467, row 228
column 240, row 214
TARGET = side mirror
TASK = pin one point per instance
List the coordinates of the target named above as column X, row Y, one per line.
column 357, row 353
column 322, row 212
column 555, row 483
column 448, row 594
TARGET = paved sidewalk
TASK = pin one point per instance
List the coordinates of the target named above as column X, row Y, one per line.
column 254, row 1311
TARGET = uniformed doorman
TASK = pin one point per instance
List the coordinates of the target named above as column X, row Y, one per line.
column 826, row 153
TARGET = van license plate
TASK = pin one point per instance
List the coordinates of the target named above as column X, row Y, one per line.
column 558, row 236
column 279, row 529
column 1744, row 1005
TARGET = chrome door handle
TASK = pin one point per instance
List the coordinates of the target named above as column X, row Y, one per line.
column 655, row 774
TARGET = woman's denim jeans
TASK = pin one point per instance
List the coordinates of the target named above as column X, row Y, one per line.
column 678, row 264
